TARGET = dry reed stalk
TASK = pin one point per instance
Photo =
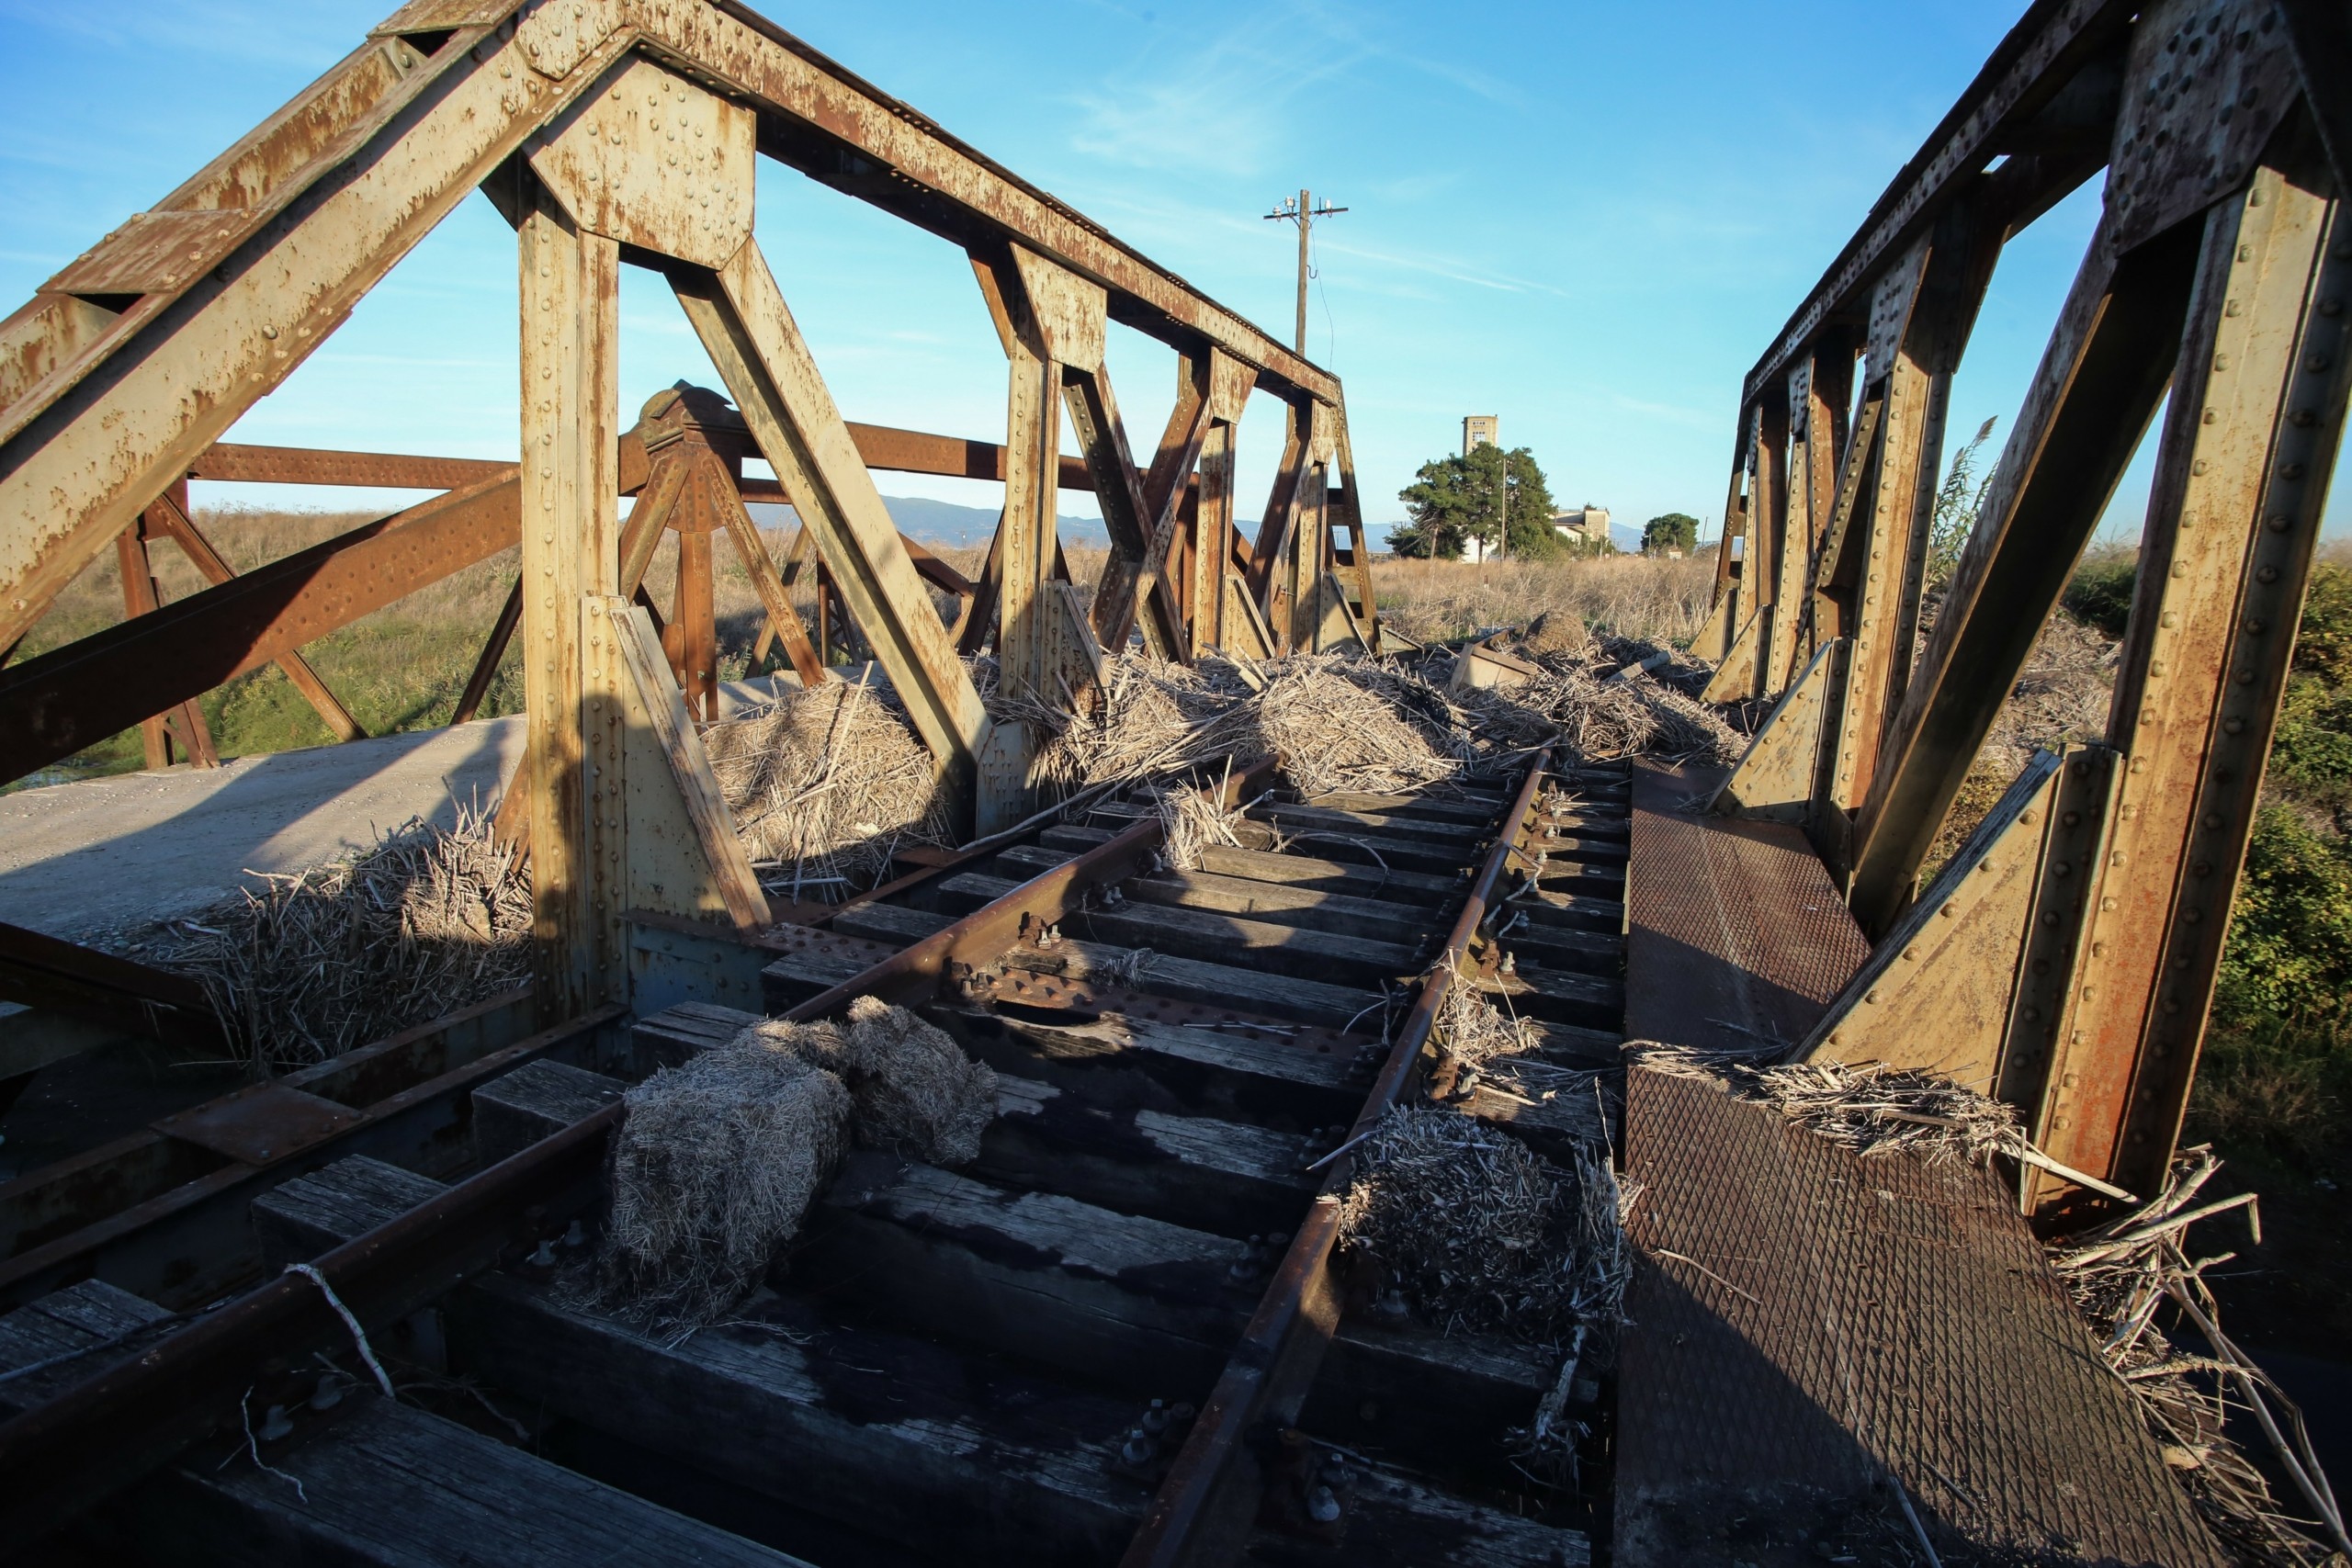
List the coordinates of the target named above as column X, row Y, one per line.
column 2124, row 1276
column 826, row 785
column 339, row 956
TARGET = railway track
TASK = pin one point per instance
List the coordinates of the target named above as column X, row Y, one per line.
column 1120, row 1335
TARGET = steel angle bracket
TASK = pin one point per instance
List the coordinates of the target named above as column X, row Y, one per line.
column 1775, row 780
column 1939, row 992
column 1735, row 678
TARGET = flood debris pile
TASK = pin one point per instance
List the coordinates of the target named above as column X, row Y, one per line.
column 1868, row 1107
column 1342, row 725
column 913, row 1089
column 427, row 920
column 826, row 785
column 1602, row 698
column 1466, row 1227
column 2146, row 1298
column 718, row 1159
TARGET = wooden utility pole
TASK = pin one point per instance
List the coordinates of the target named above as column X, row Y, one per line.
column 1302, row 211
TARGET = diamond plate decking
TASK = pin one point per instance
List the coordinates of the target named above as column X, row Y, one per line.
column 1807, row 1323
column 1735, row 936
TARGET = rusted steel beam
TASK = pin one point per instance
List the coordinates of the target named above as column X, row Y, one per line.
column 843, row 132
column 41, row 971
column 171, row 510
column 182, row 721
column 2105, row 370
column 1209, row 1501
column 234, row 463
column 493, row 648
column 2258, row 407
column 65, row 1456
column 77, row 695
column 2027, row 69
column 243, row 271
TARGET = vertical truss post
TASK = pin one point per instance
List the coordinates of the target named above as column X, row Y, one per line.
column 570, row 489
column 1922, row 310
column 696, row 623
column 1271, row 584
column 1230, row 384
column 182, row 722
column 1353, row 569
column 1829, row 398
column 1794, row 534
column 1767, row 516
column 2249, row 441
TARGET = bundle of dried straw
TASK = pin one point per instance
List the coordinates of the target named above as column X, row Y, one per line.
column 428, row 921
column 826, row 785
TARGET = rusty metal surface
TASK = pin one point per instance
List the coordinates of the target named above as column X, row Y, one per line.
column 1734, row 934
column 1806, row 1323
column 316, row 465
column 54, row 705
column 259, row 1125
column 42, row 971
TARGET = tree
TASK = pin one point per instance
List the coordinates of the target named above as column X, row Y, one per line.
column 1670, row 531
column 1455, row 499
column 1412, row 541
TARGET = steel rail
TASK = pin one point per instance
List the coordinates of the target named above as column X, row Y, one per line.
column 64, row 1456
column 1208, row 1500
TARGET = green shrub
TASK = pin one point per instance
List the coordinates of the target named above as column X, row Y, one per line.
column 2324, row 641
column 2100, row 593
column 2289, row 952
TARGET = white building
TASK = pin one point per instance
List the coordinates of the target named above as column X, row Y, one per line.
column 1588, row 524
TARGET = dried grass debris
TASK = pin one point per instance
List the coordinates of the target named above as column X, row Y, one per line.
column 826, row 784
column 1476, row 1230
column 1869, row 1108
column 716, row 1163
column 1336, row 725
column 911, row 1087
column 325, row 960
column 2147, row 1301
column 915, row 1087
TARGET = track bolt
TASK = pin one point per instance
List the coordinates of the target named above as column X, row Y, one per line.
column 1323, row 1506
column 1510, row 962
column 575, row 1236
column 328, row 1394
column 1391, row 1305
column 274, row 1426
column 1155, row 1420
column 544, row 1258
column 1138, row 1448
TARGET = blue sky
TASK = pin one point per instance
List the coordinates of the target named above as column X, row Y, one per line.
column 1588, row 218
